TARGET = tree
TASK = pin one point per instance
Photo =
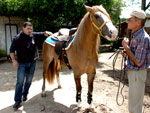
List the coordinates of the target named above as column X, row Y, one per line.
column 54, row 14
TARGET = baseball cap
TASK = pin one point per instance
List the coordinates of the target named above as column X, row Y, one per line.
column 137, row 13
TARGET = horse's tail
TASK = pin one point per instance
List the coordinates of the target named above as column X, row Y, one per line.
column 51, row 72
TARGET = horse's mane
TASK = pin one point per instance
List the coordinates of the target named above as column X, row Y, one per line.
column 101, row 9
column 82, row 28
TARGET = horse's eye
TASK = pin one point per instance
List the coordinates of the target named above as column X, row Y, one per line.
column 96, row 16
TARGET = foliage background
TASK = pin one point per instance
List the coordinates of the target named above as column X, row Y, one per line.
column 52, row 15
column 56, row 13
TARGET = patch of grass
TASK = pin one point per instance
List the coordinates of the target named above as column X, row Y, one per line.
column 2, row 53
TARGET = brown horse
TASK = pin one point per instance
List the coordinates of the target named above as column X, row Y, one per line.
column 82, row 54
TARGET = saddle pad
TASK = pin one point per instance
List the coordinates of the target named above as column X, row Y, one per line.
column 51, row 41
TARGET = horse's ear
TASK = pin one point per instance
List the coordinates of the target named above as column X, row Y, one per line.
column 101, row 6
column 88, row 8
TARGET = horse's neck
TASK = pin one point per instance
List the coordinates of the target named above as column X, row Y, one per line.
column 85, row 35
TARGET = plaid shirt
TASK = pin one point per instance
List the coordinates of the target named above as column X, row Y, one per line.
column 140, row 47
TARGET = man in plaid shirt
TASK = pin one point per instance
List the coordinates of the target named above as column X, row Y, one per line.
column 138, row 59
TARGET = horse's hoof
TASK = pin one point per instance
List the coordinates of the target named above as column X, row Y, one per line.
column 59, row 86
column 43, row 95
column 92, row 106
column 79, row 104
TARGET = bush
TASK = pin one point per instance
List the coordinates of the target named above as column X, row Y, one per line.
column 2, row 53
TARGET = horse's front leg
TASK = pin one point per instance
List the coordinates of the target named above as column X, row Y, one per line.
column 45, row 74
column 90, row 79
column 78, row 88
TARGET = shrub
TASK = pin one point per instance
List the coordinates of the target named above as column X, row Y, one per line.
column 2, row 53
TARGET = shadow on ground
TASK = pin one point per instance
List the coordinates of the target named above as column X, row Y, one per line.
column 121, row 76
column 41, row 105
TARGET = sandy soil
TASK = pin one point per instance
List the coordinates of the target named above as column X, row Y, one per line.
column 63, row 100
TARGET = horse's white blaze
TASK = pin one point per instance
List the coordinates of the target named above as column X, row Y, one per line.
column 111, row 28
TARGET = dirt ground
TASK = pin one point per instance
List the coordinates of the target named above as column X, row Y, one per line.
column 63, row 100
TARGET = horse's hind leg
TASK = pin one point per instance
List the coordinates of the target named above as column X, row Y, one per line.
column 43, row 86
column 45, row 72
column 78, row 88
column 57, row 73
column 90, row 79
column 58, row 80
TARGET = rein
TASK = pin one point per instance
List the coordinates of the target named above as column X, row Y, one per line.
column 99, row 28
column 120, row 74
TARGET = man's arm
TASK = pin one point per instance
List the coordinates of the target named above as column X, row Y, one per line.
column 15, row 63
column 42, row 34
column 12, row 53
column 47, row 33
column 129, row 52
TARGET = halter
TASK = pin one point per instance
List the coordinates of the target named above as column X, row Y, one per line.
column 99, row 28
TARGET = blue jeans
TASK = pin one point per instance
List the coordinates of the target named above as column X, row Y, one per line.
column 25, row 74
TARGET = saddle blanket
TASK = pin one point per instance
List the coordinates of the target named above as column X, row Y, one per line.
column 52, row 41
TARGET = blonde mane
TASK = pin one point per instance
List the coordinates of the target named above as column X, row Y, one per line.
column 82, row 30
column 101, row 9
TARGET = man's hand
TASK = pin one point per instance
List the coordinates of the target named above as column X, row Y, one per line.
column 47, row 33
column 125, row 43
column 123, row 53
column 15, row 63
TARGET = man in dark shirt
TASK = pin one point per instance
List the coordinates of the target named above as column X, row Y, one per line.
column 26, row 48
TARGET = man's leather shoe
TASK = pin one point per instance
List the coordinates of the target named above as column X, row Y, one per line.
column 24, row 98
column 16, row 105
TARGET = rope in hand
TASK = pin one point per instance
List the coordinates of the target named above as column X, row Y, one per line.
column 117, row 52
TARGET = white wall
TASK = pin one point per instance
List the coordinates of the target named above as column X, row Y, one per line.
column 147, row 24
column 2, row 34
column 5, row 20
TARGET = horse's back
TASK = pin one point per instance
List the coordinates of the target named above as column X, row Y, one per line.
column 47, row 50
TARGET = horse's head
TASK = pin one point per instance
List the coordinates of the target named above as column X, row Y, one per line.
column 101, row 22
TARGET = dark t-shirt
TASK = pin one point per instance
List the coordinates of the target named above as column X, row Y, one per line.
column 25, row 46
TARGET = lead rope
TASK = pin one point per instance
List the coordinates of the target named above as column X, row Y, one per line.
column 121, row 77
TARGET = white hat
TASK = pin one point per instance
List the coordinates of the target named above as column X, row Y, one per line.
column 137, row 13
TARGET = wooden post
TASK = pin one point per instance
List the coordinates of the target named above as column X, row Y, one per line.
column 146, row 7
column 143, row 6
